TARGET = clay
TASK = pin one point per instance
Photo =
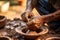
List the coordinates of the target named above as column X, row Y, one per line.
column 32, row 32
column 23, row 24
column 5, row 38
column 11, row 31
column 27, row 31
column 16, row 22
column 2, row 21
column 2, row 38
column 1, row 17
column 53, row 38
column 13, row 23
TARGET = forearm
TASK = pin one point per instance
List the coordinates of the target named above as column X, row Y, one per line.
column 30, row 5
column 52, row 17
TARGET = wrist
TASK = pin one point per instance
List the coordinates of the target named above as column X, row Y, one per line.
column 28, row 10
column 52, row 17
column 48, row 18
column 45, row 18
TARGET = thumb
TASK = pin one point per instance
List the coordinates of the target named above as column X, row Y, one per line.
column 30, row 23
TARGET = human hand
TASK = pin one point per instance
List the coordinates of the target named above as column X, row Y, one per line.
column 27, row 15
column 36, row 23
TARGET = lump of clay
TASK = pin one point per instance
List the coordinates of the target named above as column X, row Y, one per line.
column 32, row 32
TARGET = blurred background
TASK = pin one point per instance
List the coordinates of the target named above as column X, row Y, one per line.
column 13, row 8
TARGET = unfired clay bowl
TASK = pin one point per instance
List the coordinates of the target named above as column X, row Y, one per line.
column 32, row 35
column 5, row 38
column 2, row 21
column 53, row 38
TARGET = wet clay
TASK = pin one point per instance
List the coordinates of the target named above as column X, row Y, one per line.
column 3, row 38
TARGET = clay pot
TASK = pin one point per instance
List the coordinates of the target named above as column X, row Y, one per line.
column 5, row 38
column 53, row 38
column 2, row 21
column 31, row 35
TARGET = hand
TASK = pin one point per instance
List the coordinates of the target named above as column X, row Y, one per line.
column 26, row 16
column 36, row 23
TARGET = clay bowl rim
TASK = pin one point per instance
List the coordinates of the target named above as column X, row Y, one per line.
column 4, row 18
column 38, row 34
column 50, row 38
column 6, row 37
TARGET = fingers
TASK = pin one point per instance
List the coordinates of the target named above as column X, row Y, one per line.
column 24, row 16
column 27, row 16
column 35, row 23
column 33, row 26
column 32, row 22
